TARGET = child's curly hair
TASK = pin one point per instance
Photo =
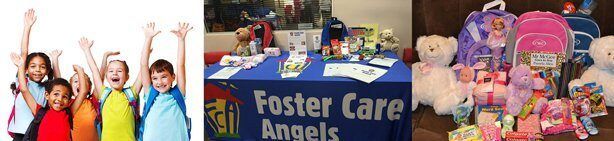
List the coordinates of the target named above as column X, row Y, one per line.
column 61, row 82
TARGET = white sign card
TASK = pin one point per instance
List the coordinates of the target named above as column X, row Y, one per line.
column 297, row 42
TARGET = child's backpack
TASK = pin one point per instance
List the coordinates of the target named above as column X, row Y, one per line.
column 334, row 29
column 540, row 32
column 472, row 40
column 264, row 31
column 132, row 101
column 585, row 29
column 150, row 101
column 32, row 131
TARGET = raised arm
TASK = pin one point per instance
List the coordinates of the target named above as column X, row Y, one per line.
column 150, row 33
column 103, row 65
column 55, row 55
column 23, row 84
column 29, row 20
column 85, row 46
column 83, row 85
column 181, row 32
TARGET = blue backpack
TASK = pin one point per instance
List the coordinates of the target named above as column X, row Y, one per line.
column 472, row 38
column 133, row 102
column 150, row 101
column 585, row 30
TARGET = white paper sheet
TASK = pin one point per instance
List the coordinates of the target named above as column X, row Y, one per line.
column 225, row 73
column 359, row 72
column 386, row 62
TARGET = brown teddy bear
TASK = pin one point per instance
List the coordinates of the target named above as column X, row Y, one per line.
column 242, row 47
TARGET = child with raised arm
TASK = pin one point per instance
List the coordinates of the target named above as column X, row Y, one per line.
column 84, row 118
column 164, row 112
column 37, row 66
column 118, row 105
column 52, row 122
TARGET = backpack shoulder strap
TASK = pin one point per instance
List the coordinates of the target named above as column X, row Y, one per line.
column 133, row 101
column 32, row 131
column 104, row 96
column 176, row 93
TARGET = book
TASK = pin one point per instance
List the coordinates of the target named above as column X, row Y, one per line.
column 371, row 35
column 489, row 111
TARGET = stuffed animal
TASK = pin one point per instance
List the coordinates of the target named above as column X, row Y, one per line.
column 466, row 85
column 242, row 47
column 602, row 72
column 520, row 88
column 388, row 41
column 432, row 77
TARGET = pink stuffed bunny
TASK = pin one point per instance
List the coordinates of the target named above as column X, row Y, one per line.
column 466, row 81
column 521, row 89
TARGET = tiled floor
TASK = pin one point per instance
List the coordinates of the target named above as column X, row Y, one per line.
column 426, row 125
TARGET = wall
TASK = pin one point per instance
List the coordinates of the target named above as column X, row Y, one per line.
column 113, row 25
column 394, row 14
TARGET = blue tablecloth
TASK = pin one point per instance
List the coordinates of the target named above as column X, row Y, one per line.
column 258, row 104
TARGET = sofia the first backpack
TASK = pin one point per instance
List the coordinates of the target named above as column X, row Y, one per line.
column 473, row 37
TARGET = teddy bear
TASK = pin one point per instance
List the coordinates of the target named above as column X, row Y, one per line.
column 520, row 89
column 242, row 47
column 388, row 41
column 432, row 77
column 602, row 72
column 466, row 85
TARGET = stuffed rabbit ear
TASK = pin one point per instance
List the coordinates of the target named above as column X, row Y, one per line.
column 479, row 65
column 458, row 66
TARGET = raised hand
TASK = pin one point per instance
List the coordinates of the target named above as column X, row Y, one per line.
column 16, row 59
column 55, row 53
column 78, row 69
column 111, row 53
column 150, row 31
column 30, row 18
column 182, row 30
column 85, row 44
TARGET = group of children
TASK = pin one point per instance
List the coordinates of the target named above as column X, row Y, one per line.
column 54, row 109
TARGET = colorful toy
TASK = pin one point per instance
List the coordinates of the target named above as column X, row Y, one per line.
column 467, row 133
column 490, row 89
column 466, row 83
column 508, row 124
column 461, row 115
column 557, row 117
column 521, row 88
column 432, row 77
column 589, row 125
column 602, row 52
column 580, row 131
column 491, row 131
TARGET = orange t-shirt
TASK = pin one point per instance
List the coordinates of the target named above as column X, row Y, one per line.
column 84, row 128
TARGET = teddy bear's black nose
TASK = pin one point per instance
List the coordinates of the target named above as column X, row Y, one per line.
column 431, row 49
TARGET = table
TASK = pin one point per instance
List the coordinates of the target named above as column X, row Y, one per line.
column 258, row 104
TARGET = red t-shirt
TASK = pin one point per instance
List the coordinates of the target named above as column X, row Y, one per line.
column 54, row 126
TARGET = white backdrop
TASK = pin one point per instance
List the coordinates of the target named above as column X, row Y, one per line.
column 114, row 25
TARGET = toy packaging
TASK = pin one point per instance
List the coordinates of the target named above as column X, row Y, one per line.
column 467, row 133
column 508, row 124
column 271, row 51
column 597, row 100
column 523, row 136
column 556, row 117
column 530, row 124
column 491, row 131
column 580, row 99
column 528, row 107
column 461, row 115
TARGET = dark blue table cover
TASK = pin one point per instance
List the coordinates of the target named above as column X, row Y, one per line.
column 231, row 109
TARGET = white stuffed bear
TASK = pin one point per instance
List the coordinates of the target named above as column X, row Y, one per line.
column 433, row 77
column 388, row 41
column 602, row 72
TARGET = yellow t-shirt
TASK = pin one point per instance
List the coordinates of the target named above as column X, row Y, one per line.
column 117, row 117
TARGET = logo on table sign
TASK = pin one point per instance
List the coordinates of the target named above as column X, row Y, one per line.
column 576, row 42
column 222, row 110
column 539, row 43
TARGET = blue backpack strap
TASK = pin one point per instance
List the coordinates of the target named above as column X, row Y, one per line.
column 176, row 93
column 103, row 98
column 151, row 96
column 134, row 104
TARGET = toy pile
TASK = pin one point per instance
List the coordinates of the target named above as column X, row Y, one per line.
column 521, row 86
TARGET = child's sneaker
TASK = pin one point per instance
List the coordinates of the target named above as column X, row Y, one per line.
column 589, row 125
column 580, row 131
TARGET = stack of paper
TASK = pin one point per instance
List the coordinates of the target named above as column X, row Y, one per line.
column 360, row 72
column 386, row 62
column 225, row 73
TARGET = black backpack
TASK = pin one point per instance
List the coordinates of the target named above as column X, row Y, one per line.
column 32, row 132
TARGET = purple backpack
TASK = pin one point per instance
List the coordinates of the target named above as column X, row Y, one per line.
column 472, row 40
